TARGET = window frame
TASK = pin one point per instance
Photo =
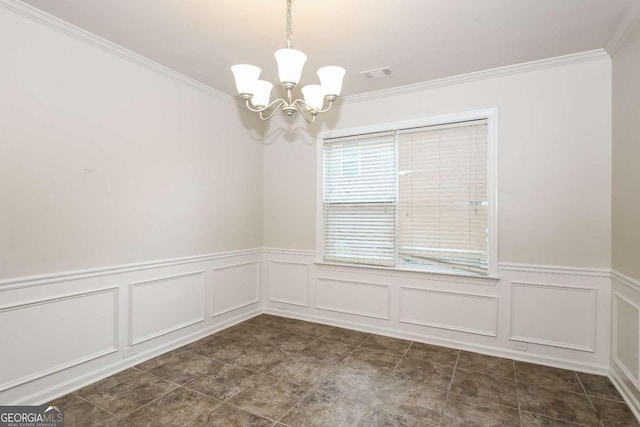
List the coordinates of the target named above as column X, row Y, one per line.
column 490, row 114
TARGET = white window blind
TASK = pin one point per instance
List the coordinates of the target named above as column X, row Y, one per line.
column 443, row 197
column 359, row 199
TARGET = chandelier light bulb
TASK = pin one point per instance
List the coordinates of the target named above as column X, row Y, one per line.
column 313, row 96
column 290, row 64
column 246, row 76
column 261, row 93
column 331, row 79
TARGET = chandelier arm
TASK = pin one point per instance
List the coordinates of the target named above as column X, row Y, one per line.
column 273, row 112
column 261, row 109
column 300, row 103
column 310, row 118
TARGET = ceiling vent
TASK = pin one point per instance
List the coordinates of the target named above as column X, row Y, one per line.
column 377, row 73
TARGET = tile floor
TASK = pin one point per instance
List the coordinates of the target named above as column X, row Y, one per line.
column 273, row 371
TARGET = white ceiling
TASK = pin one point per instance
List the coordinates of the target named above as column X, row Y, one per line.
column 419, row 39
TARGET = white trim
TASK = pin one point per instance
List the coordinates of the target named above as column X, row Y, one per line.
column 614, row 339
column 557, row 61
column 354, row 312
column 77, row 383
column 625, row 280
column 378, row 270
column 490, row 114
column 297, row 252
column 489, row 333
column 170, row 329
column 242, row 304
column 551, row 269
column 77, row 33
column 48, row 279
column 559, row 344
column 445, row 342
column 307, row 284
column 629, row 19
column 626, row 394
column 75, row 362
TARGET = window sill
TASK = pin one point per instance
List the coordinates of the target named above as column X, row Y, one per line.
column 408, row 271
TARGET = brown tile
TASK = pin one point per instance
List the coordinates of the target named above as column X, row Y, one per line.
column 408, row 399
column 388, row 344
column 599, row 386
column 306, row 328
column 614, row 414
column 528, row 419
column 181, row 407
column 128, row 396
column 178, row 366
column 556, row 403
column 268, row 320
column 287, row 341
column 218, row 347
column 433, row 353
column 498, row 390
column 83, row 413
column 328, row 350
column 224, row 382
column 104, row 384
column 560, row 379
column 228, row 416
column 372, row 360
column 259, row 358
column 66, row 400
column 381, row 418
column 323, row 409
column 346, row 336
column 243, row 332
column 462, row 411
column 425, row 372
column 270, row 397
column 486, row 364
column 302, row 369
column 353, row 383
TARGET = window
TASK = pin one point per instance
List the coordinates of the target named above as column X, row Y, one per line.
column 415, row 197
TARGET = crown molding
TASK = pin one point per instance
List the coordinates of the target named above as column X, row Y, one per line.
column 77, row 33
column 481, row 75
column 627, row 23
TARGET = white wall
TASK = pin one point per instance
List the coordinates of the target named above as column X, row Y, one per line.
column 625, row 363
column 554, row 161
column 553, row 291
column 105, row 162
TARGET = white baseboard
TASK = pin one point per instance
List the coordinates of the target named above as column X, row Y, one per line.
column 625, row 392
column 67, row 387
column 460, row 345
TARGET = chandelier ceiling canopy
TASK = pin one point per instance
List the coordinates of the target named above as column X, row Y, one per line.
column 318, row 98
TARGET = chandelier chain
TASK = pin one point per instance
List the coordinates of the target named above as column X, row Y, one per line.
column 288, row 31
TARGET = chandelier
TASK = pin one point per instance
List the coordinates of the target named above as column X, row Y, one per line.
column 256, row 93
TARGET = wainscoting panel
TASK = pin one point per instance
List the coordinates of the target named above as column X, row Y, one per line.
column 288, row 282
column 62, row 331
column 164, row 305
column 626, row 336
column 472, row 313
column 554, row 315
column 352, row 297
column 234, row 286
column 46, row 336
